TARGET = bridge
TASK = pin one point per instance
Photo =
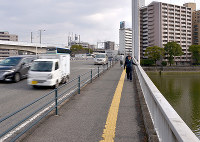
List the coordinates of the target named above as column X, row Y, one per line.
column 105, row 107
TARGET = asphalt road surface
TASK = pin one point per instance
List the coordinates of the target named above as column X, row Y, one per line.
column 16, row 95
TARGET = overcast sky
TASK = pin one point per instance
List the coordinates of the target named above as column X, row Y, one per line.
column 93, row 20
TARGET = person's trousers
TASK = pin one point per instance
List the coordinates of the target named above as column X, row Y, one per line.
column 129, row 74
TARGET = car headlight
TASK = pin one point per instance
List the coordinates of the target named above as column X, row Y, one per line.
column 8, row 71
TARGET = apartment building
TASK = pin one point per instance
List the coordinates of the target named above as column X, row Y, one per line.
column 161, row 23
column 125, row 41
column 196, row 28
column 8, row 37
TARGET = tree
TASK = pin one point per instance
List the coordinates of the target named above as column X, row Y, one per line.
column 172, row 49
column 78, row 49
column 195, row 50
column 154, row 53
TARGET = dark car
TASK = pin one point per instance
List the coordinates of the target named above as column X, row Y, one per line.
column 15, row 68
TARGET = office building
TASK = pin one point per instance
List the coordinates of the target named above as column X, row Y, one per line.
column 8, row 37
column 161, row 23
column 125, row 39
column 109, row 45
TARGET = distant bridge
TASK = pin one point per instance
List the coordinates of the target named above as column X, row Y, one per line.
column 8, row 48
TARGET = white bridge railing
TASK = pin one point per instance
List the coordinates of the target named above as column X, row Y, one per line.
column 168, row 124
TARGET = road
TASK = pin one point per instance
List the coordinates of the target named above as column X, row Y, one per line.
column 16, row 95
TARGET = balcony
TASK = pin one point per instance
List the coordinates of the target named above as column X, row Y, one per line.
column 145, row 27
column 145, row 38
column 145, row 34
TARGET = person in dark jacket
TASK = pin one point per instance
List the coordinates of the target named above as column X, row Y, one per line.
column 129, row 67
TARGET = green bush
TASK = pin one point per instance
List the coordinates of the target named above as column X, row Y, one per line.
column 147, row 62
column 164, row 63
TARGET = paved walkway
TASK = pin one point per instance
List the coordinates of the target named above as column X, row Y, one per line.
column 83, row 118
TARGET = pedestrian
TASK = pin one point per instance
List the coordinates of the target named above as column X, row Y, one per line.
column 129, row 67
column 121, row 60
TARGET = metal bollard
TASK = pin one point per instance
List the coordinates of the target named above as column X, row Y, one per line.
column 107, row 66
column 79, row 84
column 91, row 76
column 56, row 100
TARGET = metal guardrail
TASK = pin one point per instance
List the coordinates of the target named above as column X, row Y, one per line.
column 168, row 124
column 20, row 121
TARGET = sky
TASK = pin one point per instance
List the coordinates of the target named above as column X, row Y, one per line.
column 94, row 20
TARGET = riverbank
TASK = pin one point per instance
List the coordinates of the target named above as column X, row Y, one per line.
column 173, row 68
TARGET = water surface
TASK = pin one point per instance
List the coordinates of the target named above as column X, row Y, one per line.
column 182, row 90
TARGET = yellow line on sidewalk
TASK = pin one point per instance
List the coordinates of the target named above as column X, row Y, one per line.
column 109, row 131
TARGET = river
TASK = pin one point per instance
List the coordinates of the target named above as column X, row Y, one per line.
column 182, row 90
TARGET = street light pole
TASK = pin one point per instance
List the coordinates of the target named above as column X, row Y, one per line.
column 31, row 37
column 41, row 35
column 40, row 39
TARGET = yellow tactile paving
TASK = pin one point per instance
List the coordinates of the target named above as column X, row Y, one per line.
column 109, row 131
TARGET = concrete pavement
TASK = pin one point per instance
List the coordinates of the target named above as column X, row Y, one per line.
column 83, row 118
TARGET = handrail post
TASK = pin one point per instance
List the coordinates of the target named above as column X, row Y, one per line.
column 79, row 84
column 56, row 100
column 91, row 75
column 98, row 71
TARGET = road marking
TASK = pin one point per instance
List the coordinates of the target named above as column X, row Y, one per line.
column 109, row 131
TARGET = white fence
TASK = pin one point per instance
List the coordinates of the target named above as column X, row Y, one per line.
column 168, row 124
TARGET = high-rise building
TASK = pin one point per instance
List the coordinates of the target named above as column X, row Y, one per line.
column 196, row 28
column 195, row 23
column 192, row 5
column 161, row 23
column 8, row 37
column 125, row 41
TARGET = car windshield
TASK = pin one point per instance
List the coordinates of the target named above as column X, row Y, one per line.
column 100, row 56
column 10, row 61
column 42, row 66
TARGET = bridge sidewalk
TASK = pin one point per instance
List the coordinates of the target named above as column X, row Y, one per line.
column 83, row 118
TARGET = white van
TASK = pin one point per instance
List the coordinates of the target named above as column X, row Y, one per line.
column 101, row 58
column 49, row 70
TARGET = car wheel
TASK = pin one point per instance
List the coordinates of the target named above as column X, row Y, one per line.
column 64, row 80
column 17, row 77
